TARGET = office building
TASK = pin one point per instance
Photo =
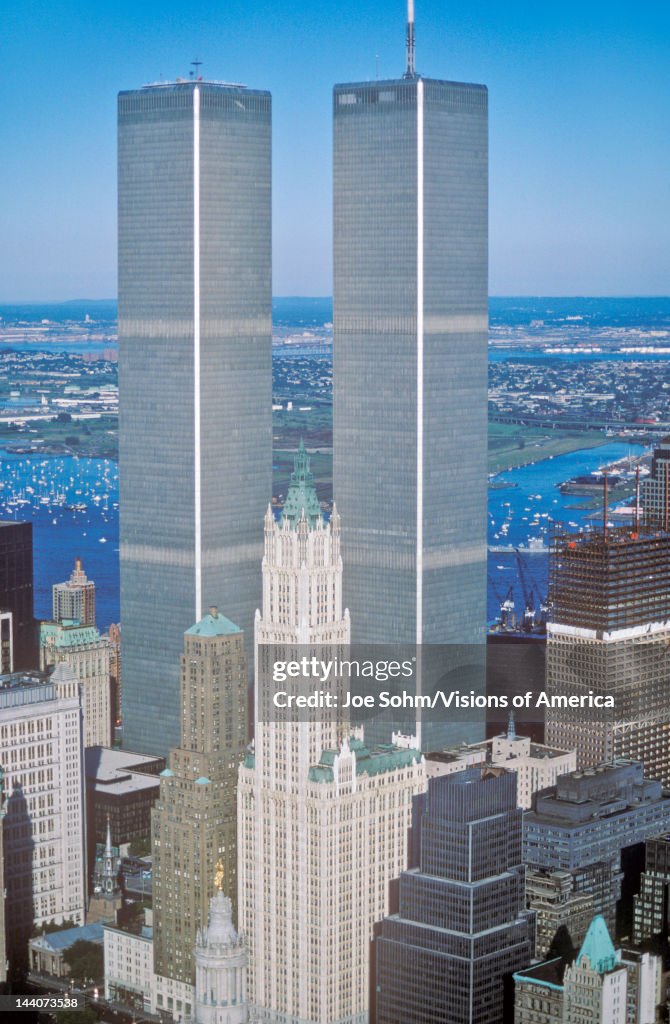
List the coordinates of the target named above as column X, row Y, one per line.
column 410, row 367
column 221, row 961
column 19, row 635
column 583, row 823
column 536, row 765
column 114, row 637
column 74, row 600
column 602, row 986
column 562, row 912
column 194, row 823
column 461, row 928
column 654, row 490
column 44, row 822
column 322, row 819
column 608, row 633
column 129, row 966
column 122, row 788
column 89, row 655
column 651, row 913
column 194, row 377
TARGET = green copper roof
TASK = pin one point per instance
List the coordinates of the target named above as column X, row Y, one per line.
column 68, row 634
column 213, row 624
column 386, row 758
column 597, row 946
column 203, row 781
column 301, row 492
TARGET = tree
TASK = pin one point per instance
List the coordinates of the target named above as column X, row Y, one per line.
column 85, row 1016
column 63, row 417
column 72, row 440
column 51, row 926
column 85, row 960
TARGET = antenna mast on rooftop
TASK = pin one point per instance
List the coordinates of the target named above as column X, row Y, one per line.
column 410, row 72
column 197, row 64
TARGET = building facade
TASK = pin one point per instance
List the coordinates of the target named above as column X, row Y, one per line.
column 74, row 600
column 410, row 367
column 655, row 490
column 583, row 823
column 44, row 822
column 194, row 376
column 194, row 823
column 88, row 654
column 461, row 927
column 609, row 628
column 560, row 907
column 602, row 985
column 651, row 913
column 536, row 765
column 322, row 819
column 16, row 595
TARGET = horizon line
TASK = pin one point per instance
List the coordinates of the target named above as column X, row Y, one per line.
column 516, row 295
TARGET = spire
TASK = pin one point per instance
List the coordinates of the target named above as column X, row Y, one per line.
column 301, row 495
column 598, row 948
column 409, row 44
column 108, row 840
column 511, row 730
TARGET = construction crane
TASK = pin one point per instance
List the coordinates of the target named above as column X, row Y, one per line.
column 528, row 620
column 506, row 604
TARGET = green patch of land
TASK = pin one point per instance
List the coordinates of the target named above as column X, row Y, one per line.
column 95, row 438
column 511, row 446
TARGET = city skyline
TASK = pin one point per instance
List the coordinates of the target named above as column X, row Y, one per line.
column 575, row 110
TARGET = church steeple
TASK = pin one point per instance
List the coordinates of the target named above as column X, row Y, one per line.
column 302, row 496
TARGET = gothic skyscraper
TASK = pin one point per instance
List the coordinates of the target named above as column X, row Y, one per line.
column 194, row 376
column 321, row 819
column 410, row 359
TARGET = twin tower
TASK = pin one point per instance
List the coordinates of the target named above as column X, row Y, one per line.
column 410, row 178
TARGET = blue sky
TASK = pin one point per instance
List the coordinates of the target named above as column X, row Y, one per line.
column 579, row 129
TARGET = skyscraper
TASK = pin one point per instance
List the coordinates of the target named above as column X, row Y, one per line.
column 16, row 595
column 194, row 823
column 461, row 926
column 583, row 824
column 75, row 598
column 655, row 490
column 44, row 828
column 410, row 361
column 322, row 819
column 194, row 376
column 608, row 633
column 88, row 655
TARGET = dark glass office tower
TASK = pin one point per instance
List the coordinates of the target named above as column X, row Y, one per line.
column 194, row 377
column 18, row 635
column 410, row 363
column 461, row 928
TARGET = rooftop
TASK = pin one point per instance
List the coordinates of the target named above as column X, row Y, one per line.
column 598, row 948
column 60, row 941
column 121, row 771
column 549, row 974
column 384, row 758
column 213, row 624
column 302, row 496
